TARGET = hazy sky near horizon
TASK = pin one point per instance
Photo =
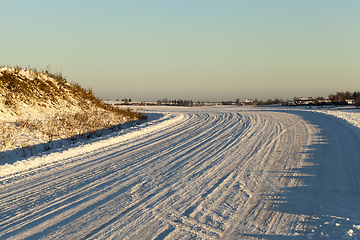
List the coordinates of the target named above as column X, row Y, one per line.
column 201, row 49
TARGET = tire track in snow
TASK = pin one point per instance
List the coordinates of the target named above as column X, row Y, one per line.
column 91, row 168
column 183, row 171
column 81, row 174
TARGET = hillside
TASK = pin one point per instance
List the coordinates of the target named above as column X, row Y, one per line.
column 38, row 108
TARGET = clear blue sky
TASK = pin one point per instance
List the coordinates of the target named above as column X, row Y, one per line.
column 199, row 49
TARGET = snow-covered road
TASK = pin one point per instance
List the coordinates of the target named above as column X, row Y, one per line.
column 202, row 173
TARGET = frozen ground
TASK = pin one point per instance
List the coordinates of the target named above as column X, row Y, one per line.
column 194, row 173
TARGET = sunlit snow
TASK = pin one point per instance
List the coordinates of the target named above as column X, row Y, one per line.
column 194, row 173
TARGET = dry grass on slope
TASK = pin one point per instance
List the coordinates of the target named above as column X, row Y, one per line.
column 39, row 107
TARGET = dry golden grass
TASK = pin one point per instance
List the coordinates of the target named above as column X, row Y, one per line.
column 29, row 88
column 47, row 87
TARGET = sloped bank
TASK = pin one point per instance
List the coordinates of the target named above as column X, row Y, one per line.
column 37, row 109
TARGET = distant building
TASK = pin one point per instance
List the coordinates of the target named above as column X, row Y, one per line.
column 306, row 98
column 248, row 100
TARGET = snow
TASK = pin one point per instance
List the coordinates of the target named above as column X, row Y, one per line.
column 59, row 154
column 194, row 173
column 352, row 116
column 31, row 124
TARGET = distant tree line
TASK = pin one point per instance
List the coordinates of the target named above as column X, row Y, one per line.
column 125, row 100
column 176, row 102
column 227, row 103
column 237, row 102
column 340, row 98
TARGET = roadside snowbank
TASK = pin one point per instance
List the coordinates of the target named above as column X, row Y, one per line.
column 56, row 156
column 352, row 116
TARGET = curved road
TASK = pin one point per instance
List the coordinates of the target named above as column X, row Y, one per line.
column 219, row 174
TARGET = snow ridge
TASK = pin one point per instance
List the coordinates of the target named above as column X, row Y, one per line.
column 351, row 116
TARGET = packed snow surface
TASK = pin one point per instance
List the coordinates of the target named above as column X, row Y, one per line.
column 193, row 173
column 352, row 115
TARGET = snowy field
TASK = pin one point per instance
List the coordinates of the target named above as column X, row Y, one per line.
column 194, row 173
